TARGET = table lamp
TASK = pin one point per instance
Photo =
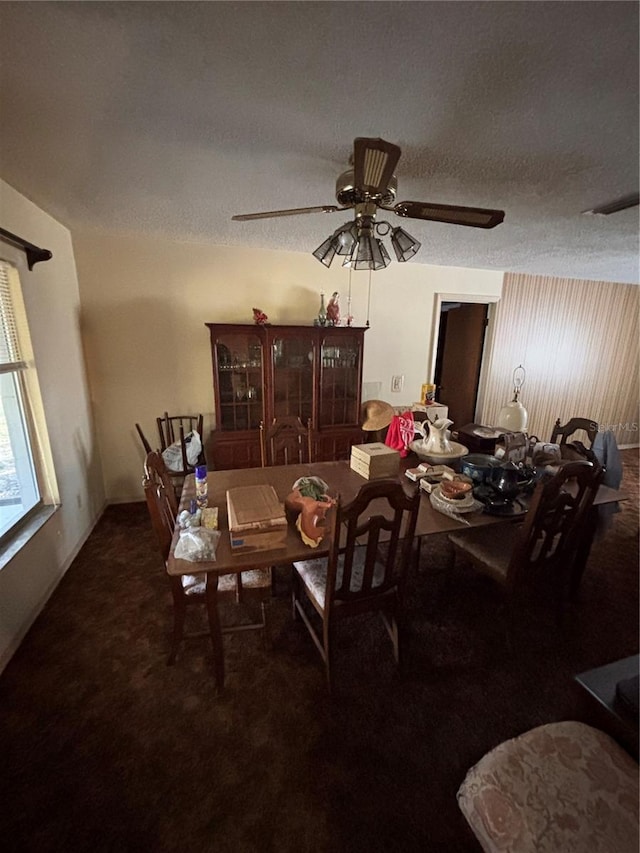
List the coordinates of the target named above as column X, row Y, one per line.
column 513, row 416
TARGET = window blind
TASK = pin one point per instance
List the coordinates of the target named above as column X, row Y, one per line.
column 10, row 354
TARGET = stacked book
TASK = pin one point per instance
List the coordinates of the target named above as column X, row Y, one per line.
column 375, row 460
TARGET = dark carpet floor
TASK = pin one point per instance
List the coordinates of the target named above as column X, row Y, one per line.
column 105, row 748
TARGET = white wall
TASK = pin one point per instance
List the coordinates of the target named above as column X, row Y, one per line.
column 145, row 301
column 52, row 303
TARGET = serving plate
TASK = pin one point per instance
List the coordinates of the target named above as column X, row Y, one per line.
column 488, row 432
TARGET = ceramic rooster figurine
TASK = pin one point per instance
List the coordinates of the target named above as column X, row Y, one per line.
column 308, row 504
column 259, row 317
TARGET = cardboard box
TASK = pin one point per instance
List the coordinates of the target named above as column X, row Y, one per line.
column 443, row 472
column 428, row 484
column 256, row 519
column 415, row 474
column 375, row 460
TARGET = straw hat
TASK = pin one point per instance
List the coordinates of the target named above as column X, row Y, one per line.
column 376, row 414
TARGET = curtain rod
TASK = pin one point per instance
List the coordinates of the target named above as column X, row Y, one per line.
column 34, row 253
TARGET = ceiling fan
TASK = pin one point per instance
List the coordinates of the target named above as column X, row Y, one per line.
column 368, row 187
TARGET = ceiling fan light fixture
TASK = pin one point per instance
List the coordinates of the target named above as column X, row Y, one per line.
column 326, row 251
column 386, row 260
column 368, row 253
column 346, row 237
column 368, row 187
column 404, row 245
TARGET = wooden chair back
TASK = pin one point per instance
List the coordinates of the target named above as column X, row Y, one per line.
column 161, row 501
column 143, row 439
column 174, row 428
column 562, row 433
column 555, row 521
column 286, row 441
column 370, row 548
column 361, row 576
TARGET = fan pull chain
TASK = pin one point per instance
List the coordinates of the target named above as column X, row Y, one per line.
column 369, row 300
column 349, row 315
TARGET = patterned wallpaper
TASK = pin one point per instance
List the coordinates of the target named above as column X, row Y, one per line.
column 578, row 343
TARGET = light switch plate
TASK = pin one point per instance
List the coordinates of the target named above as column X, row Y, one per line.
column 396, row 383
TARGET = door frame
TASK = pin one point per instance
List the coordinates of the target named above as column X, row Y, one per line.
column 487, row 348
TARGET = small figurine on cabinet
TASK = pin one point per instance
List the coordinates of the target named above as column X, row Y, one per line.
column 259, row 317
column 333, row 309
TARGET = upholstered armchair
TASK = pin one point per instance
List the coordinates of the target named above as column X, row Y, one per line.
column 559, row 787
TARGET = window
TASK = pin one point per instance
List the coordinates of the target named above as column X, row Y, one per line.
column 19, row 488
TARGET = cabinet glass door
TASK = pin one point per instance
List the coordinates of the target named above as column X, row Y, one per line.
column 340, row 369
column 293, row 376
column 239, row 365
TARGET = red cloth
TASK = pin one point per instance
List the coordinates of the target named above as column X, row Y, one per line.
column 401, row 432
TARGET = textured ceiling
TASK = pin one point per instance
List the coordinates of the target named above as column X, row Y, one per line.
column 167, row 118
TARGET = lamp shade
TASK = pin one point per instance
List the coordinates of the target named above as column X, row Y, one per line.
column 346, row 237
column 404, row 245
column 368, row 253
column 326, row 251
column 513, row 417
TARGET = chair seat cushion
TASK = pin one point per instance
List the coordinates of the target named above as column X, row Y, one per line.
column 252, row 579
column 193, row 584
column 559, row 787
column 314, row 574
column 489, row 546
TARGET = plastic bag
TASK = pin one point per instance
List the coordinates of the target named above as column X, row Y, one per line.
column 196, row 544
column 172, row 455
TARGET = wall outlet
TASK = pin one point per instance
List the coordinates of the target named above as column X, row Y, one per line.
column 396, row 383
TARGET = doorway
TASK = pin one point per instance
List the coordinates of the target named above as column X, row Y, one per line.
column 461, row 335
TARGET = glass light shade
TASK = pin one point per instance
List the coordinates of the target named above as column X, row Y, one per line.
column 368, row 253
column 513, row 417
column 346, row 236
column 326, row 251
column 405, row 246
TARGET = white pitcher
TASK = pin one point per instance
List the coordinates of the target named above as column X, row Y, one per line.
column 437, row 440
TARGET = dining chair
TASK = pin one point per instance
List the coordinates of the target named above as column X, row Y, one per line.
column 562, row 433
column 286, row 441
column 542, row 549
column 370, row 545
column 176, row 432
column 190, row 589
column 143, row 439
column 175, row 429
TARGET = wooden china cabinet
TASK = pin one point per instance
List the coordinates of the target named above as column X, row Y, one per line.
column 264, row 372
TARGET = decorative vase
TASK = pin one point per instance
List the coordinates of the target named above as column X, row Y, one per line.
column 322, row 312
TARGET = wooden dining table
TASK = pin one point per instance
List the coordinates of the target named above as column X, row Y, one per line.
column 342, row 481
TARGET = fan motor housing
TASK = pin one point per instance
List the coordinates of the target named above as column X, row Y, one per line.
column 347, row 194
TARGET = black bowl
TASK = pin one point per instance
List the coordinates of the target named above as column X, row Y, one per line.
column 478, row 466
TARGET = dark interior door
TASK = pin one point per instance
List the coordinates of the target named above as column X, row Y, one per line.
column 459, row 358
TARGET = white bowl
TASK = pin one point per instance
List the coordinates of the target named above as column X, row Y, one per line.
column 457, row 451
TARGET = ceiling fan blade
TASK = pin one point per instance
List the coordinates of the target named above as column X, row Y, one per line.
column 374, row 162
column 294, row 211
column 477, row 217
